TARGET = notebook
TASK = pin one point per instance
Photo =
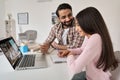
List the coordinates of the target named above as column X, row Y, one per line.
column 56, row 59
column 19, row 61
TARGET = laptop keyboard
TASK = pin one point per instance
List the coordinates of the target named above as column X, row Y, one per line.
column 28, row 61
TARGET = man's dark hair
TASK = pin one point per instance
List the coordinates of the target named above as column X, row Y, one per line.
column 63, row 6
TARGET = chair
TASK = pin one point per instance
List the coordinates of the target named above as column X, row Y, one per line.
column 116, row 72
column 31, row 35
column 28, row 36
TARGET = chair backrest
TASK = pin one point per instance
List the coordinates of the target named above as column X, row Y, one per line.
column 22, row 36
column 28, row 36
column 31, row 35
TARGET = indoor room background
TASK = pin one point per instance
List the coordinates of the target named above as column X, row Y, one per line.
column 40, row 14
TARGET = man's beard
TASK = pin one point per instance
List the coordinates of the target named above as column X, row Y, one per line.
column 68, row 24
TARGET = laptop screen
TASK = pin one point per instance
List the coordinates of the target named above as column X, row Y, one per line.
column 10, row 49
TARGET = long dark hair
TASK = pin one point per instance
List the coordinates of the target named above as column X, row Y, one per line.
column 91, row 21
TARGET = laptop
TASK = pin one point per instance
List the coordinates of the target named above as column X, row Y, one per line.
column 19, row 61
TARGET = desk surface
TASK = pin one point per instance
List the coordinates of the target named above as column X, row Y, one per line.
column 55, row 71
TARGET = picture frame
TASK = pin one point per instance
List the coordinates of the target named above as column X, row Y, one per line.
column 23, row 18
column 54, row 18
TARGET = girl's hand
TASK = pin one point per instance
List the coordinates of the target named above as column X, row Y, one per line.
column 70, row 54
column 63, row 53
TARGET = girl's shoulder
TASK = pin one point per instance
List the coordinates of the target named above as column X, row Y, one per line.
column 96, row 36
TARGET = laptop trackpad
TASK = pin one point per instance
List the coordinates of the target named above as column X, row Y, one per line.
column 40, row 61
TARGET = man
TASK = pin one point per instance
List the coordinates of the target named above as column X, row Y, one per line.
column 64, row 31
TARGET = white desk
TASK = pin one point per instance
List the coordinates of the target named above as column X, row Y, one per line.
column 54, row 71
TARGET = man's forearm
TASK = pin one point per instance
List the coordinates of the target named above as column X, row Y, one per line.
column 62, row 47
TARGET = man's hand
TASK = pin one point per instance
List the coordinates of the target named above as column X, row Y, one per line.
column 44, row 48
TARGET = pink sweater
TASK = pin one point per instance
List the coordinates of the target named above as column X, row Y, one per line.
column 88, row 56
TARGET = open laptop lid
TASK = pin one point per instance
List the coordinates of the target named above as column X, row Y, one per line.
column 11, row 51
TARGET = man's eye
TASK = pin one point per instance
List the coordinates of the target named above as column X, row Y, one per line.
column 69, row 15
column 63, row 17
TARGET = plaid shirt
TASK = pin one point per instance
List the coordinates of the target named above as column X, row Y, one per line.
column 73, row 38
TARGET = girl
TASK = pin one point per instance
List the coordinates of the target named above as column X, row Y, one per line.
column 96, row 53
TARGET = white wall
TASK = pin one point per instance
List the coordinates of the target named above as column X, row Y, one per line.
column 40, row 15
column 2, row 20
